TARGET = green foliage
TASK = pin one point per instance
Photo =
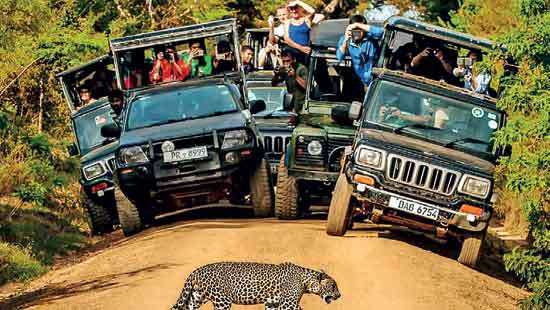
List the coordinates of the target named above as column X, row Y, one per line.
column 17, row 264
column 32, row 192
column 40, row 144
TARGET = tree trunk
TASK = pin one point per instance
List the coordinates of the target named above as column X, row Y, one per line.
column 40, row 105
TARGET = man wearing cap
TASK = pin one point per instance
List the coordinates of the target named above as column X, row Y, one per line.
column 359, row 42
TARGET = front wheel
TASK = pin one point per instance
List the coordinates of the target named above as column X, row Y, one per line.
column 471, row 250
column 101, row 221
column 128, row 214
column 286, row 200
column 261, row 190
column 339, row 212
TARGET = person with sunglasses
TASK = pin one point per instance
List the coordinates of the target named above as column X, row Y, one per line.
column 298, row 28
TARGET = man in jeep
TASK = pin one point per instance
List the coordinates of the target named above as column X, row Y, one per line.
column 359, row 42
column 294, row 75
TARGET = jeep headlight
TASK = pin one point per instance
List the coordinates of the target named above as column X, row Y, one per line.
column 370, row 157
column 314, row 148
column 94, row 170
column 234, row 138
column 477, row 187
column 133, row 155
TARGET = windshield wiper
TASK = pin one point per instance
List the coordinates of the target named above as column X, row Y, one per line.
column 467, row 140
column 414, row 125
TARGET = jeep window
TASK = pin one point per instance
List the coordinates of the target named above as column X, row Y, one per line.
column 88, row 128
column 157, row 64
column 406, row 48
column 334, row 81
column 179, row 105
column 443, row 120
column 273, row 97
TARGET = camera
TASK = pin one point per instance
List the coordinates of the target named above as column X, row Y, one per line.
column 276, row 20
column 356, row 34
column 281, row 72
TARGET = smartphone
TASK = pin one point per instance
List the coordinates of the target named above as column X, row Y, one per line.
column 460, row 61
column 200, row 53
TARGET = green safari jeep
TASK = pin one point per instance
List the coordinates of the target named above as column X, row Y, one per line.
column 308, row 171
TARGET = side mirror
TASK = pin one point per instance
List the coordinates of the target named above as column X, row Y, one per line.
column 110, row 131
column 72, row 149
column 257, row 106
column 340, row 114
column 288, row 103
column 354, row 112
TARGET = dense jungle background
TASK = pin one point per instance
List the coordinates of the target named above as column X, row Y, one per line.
column 40, row 214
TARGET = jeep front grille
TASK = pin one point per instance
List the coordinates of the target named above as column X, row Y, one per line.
column 422, row 175
column 111, row 164
column 337, row 143
column 276, row 143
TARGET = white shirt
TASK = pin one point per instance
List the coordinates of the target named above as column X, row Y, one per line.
column 279, row 31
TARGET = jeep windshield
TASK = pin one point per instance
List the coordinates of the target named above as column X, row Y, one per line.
column 180, row 104
column 273, row 97
column 88, row 128
column 443, row 120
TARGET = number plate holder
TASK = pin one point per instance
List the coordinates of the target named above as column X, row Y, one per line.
column 413, row 208
column 185, row 154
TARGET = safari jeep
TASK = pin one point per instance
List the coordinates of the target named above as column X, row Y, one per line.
column 96, row 153
column 277, row 121
column 308, row 171
column 423, row 158
column 188, row 143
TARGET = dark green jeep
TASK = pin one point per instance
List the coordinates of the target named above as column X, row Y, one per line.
column 96, row 152
column 188, row 143
column 423, row 158
column 308, row 171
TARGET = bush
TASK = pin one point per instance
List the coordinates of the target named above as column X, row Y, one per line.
column 17, row 264
column 32, row 192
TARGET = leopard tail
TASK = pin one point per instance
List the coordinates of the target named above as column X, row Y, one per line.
column 185, row 297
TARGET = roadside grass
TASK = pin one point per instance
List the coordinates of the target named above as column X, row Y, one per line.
column 32, row 240
column 17, row 264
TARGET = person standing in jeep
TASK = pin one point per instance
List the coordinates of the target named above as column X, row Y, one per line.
column 294, row 75
column 358, row 42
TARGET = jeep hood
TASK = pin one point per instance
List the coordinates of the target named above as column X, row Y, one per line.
column 469, row 162
column 183, row 129
column 99, row 152
column 327, row 124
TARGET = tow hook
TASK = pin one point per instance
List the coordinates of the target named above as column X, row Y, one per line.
column 440, row 232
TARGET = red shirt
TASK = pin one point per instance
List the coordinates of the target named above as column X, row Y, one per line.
column 168, row 71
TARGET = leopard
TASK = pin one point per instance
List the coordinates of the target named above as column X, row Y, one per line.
column 276, row 286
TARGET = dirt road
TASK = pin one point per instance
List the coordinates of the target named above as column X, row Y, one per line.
column 147, row 271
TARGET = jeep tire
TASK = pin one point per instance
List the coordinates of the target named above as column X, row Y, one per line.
column 339, row 212
column 261, row 190
column 471, row 249
column 100, row 218
column 286, row 200
column 128, row 214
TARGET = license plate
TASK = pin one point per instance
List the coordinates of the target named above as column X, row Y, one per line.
column 185, row 154
column 413, row 208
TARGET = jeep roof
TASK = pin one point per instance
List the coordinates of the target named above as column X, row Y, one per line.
column 169, row 36
column 445, row 34
column 328, row 32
